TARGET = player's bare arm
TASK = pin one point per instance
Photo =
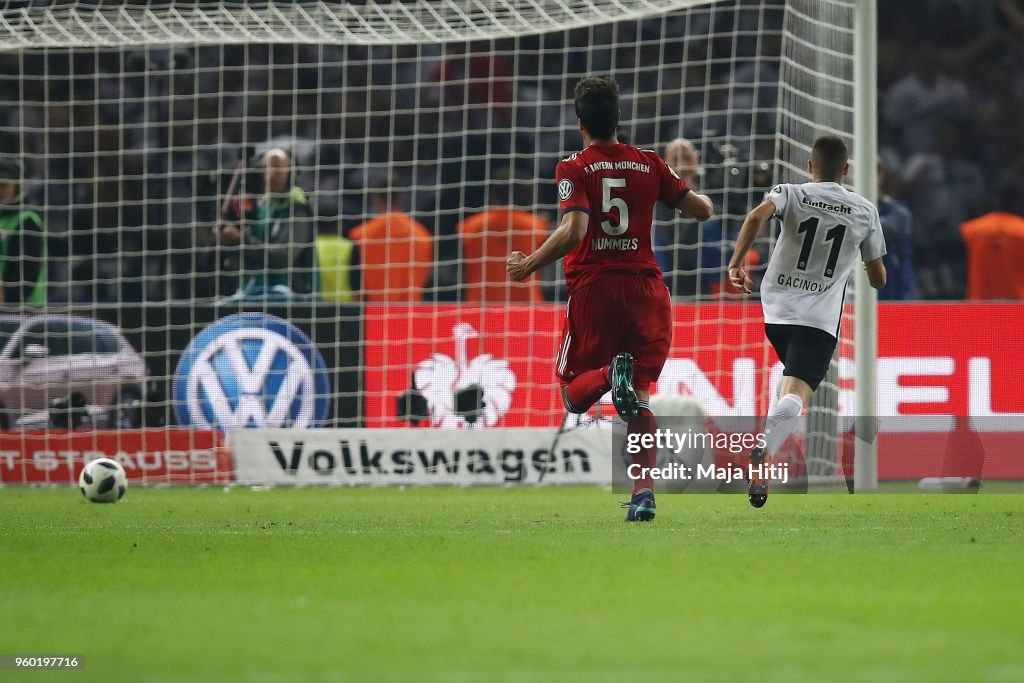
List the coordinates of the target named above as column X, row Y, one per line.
column 752, row 226
column 563, row 240
column 699, row 206
column 876, row 273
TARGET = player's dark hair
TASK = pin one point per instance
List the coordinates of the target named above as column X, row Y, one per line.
column 829, row 155
column 597, row 106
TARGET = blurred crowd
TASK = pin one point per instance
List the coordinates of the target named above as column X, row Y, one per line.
column 131, row 153
column 951, row 101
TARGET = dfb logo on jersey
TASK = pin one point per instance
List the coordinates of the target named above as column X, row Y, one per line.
column 565, row 189
column 251, row 370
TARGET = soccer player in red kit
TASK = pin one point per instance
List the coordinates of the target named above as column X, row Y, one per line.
column 618, row 328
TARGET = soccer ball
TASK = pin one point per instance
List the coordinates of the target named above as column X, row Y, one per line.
column 103, row 481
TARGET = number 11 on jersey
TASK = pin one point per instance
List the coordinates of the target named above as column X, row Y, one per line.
column 835, row 235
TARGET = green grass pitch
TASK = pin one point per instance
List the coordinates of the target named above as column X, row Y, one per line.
column 531, row 584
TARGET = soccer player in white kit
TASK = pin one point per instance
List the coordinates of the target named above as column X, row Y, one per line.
column 826, row 230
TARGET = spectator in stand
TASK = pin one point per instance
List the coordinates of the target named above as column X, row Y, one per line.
column 897, row 227
column 995, row 248
column 278, row 250
column 946, row 187
column 926, row 96
column 705, row 248
column 489, row 236
column 674, row 239
column 396, row 251
column 682, row 157
column 22, row 242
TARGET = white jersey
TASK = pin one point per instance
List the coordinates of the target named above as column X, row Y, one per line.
column 826, row 231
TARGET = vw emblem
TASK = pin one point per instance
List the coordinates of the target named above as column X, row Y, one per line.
column 565, row 189
column 251, row 370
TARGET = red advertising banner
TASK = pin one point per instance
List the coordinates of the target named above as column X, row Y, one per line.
column 153, row 456
column 951, row 359
column 942, row 360
column 510, row 352
column 960, row 367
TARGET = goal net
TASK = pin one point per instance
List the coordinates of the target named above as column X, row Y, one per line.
column 296, row 214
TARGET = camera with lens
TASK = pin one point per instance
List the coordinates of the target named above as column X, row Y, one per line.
column 244, row 189
column 729, row 168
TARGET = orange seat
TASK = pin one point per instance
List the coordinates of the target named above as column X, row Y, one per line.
column 995, row 249
column 487, row 240
column 396, row 254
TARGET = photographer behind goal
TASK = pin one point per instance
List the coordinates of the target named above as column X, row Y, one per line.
column 277, row 246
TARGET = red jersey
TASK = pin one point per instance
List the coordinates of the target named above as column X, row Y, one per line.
column 617, row 186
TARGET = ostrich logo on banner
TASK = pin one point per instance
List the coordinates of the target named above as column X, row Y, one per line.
column 462, row 392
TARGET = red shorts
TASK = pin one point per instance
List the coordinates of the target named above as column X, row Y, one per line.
column 620, row 312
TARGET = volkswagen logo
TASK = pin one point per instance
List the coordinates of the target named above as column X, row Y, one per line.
column 251, row 370
column 565, row 189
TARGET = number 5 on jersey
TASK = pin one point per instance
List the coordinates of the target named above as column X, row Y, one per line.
column 608, row 203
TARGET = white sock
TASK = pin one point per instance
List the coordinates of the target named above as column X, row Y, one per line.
column 781, row 421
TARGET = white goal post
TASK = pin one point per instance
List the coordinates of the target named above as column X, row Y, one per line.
column 865, row 130
column 135, row 122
